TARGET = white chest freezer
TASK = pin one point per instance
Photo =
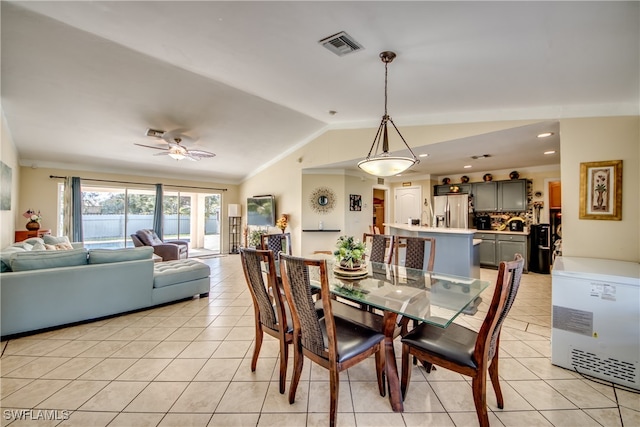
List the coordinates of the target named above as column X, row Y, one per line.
column 596, row 318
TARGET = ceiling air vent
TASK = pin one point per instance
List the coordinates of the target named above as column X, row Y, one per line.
column 155, row 133
column 341, row 44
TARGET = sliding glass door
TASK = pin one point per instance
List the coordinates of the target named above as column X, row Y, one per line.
column 110, row 215
column 177, row 216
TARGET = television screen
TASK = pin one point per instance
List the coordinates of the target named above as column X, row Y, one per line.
column 261, row 210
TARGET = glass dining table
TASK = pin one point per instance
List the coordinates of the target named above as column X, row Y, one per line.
column 420, row 295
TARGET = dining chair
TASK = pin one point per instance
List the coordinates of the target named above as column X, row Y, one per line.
column 414, row 249
column 332, row 342
column 381, row 247
column 272, row 314
column 414, row 252
column 279, row 242
column 463, row 350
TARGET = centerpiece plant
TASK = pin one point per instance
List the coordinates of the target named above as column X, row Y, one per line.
column 350, row 252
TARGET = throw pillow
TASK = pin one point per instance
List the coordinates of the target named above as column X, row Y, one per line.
column 33, row 240
column 63, row 246
column 39, row 247
column 22, row 245
column 54, row 240
column 50, row 247
column 149, row 237
column 25, row 261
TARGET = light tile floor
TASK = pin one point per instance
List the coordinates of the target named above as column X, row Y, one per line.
column 188, row 364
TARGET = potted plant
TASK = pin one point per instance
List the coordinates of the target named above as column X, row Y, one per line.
column 350, row 252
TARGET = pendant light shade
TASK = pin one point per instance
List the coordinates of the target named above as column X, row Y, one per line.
column 384, row 164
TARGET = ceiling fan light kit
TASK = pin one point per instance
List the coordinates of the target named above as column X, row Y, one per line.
column 174, row 148
column 384, row 164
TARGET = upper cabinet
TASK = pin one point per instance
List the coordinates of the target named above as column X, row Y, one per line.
column 500, row 196
column 512, row 195
column 555, row 195
column 485, row 196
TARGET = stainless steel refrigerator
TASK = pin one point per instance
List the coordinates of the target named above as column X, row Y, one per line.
column 451, row 211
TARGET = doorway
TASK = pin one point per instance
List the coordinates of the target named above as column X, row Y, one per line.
column 379, row 209
column 408, row 204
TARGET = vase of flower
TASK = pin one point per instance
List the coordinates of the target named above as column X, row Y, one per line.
column 282, row 222
column 349, row 253
column 33, row 225
column 34, row 220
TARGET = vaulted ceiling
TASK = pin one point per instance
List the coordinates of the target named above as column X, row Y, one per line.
column 82, row 81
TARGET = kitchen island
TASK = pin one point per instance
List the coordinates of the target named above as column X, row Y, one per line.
column 457, row 252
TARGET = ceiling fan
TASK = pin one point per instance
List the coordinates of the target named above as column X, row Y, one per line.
column 174, row 147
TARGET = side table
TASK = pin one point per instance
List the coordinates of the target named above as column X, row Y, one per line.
column 21, row 235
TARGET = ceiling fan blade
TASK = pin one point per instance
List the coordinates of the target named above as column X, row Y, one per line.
column 165, row 153
column 201, row 154
column 150, row 146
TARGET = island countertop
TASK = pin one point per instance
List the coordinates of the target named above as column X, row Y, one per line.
column 424, row 228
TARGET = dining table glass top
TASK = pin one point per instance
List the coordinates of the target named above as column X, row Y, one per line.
column 425, row 296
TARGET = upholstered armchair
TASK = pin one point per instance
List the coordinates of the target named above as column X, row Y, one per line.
column 169, row 250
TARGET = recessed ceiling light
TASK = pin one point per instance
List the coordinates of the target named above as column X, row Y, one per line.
column 399, row 174
column 545, row 135
column 467, row 166
column 423, row 155
column 550, row 152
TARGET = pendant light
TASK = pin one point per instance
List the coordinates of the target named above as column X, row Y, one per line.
column 384, row 164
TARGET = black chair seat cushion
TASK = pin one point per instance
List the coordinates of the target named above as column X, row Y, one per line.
column 454, row 343
column 352, row 339
column 364, row 318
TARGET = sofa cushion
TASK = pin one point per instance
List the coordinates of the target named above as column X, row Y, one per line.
column 24, row 261
column 105, row 256
column 178, row 271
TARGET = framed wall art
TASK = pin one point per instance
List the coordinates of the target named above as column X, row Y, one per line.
column 5, row 187
column 355, row 202
column 601, row 190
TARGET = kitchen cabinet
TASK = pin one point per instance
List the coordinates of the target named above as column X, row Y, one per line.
column 496, row 247
column 440, row 190
column 508, row 245
column 500, row 196
column 512, row 195
column 487, row 249
column 485, row 196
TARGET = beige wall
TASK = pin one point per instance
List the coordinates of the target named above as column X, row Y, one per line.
column 39, row 192
column 9, row 156
column 590, row 139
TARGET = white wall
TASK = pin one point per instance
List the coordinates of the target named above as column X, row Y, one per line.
column 9, row 156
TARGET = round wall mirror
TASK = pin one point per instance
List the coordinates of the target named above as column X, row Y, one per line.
column 322, row 200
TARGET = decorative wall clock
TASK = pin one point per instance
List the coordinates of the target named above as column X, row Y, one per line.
column 322, row 200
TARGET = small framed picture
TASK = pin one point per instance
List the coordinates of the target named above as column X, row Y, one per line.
column 355, row 202
column 601, row 190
